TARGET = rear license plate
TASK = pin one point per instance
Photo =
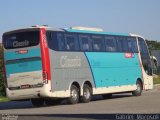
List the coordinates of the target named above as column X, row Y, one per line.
column 25, row 86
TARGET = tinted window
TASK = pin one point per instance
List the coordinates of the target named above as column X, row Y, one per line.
column 21, row 39
column 142, row 46
column 71, row 42
column 60, row 41
column 50, row 39
column 132, row 44
column 122, row 44
column 145, row 56
column 127, row 44
column 85, row 43
column 97, row 43
column 110, row 44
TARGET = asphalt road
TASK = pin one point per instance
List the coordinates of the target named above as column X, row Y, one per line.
column 98, row 108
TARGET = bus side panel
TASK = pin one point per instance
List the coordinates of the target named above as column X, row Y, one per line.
column 66, row 68
column 114, row 69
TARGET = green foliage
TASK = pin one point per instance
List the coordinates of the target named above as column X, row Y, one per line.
column 156, row 79
column 153, row 45
column 4, row 99
column 2, row 88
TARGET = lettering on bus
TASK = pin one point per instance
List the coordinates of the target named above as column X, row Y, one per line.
column 20, row 44
column 70, row 62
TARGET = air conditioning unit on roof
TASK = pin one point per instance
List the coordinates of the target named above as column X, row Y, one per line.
column 86, row 28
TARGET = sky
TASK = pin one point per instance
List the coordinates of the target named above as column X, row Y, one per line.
column 123, row 16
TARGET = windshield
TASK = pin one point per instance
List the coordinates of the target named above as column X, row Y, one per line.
column 21, row 39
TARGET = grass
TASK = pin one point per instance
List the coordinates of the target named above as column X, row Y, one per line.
column 3, row 99
column 156, row 79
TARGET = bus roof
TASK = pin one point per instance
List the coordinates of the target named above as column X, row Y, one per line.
column 96, row 32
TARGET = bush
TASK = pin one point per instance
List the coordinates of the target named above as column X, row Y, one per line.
column 2, row 88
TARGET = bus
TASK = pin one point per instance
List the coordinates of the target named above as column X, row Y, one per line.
column 45, row 65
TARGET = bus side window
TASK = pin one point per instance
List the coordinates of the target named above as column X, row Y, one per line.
column 145, row 56
column 132, row 45
column 50, row 41
column 60, row 41
column 71, row 42
column 122, row 44
column 110, row 44
column 97, row 43
column 85, row 44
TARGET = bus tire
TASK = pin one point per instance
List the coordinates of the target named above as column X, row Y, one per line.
column 138, row 90
column 74, row 97
column 37, row 102
column 87, row 94
column 107, row 96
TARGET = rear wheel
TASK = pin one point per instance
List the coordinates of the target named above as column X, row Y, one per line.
column 87, row 94
column 138, row 90
column 74, row 97
column 37, row 102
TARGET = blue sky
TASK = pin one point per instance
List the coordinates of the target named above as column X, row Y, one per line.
column 125, row 16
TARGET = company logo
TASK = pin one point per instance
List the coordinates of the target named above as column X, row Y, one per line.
column 20, row 44
column 70, row 62
column 22, row 51
column 129, row 55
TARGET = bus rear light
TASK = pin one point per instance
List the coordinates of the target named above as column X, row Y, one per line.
column 45, row 77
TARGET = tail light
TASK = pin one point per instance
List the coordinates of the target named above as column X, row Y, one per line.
column 45, row 77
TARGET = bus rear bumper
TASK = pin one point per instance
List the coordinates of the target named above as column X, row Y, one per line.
column 29, row 93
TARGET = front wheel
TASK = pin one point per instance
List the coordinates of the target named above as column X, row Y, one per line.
column 74, row 97
column 87, row 94
column 138, row 90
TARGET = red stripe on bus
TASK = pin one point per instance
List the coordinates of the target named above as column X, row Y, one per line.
column 45, row 53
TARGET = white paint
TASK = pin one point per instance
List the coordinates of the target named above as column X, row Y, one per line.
column 114, row 89
column 96, row 91
column 45, row 91
column 20, row 44
column 147, row 79
column 65, row 61
column 30, row 93
column 87, row 28
column 61, row 94
column 24, row 78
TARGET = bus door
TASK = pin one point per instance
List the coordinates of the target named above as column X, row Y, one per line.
column 146, row 64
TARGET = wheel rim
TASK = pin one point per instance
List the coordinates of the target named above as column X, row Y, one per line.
column 138, row 88
column 87, row 94
column 74, row 94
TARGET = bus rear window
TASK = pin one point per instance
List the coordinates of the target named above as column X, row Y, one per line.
column 21, row 39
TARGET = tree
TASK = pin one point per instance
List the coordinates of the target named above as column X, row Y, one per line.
column 153, row 45
column 2, row 88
